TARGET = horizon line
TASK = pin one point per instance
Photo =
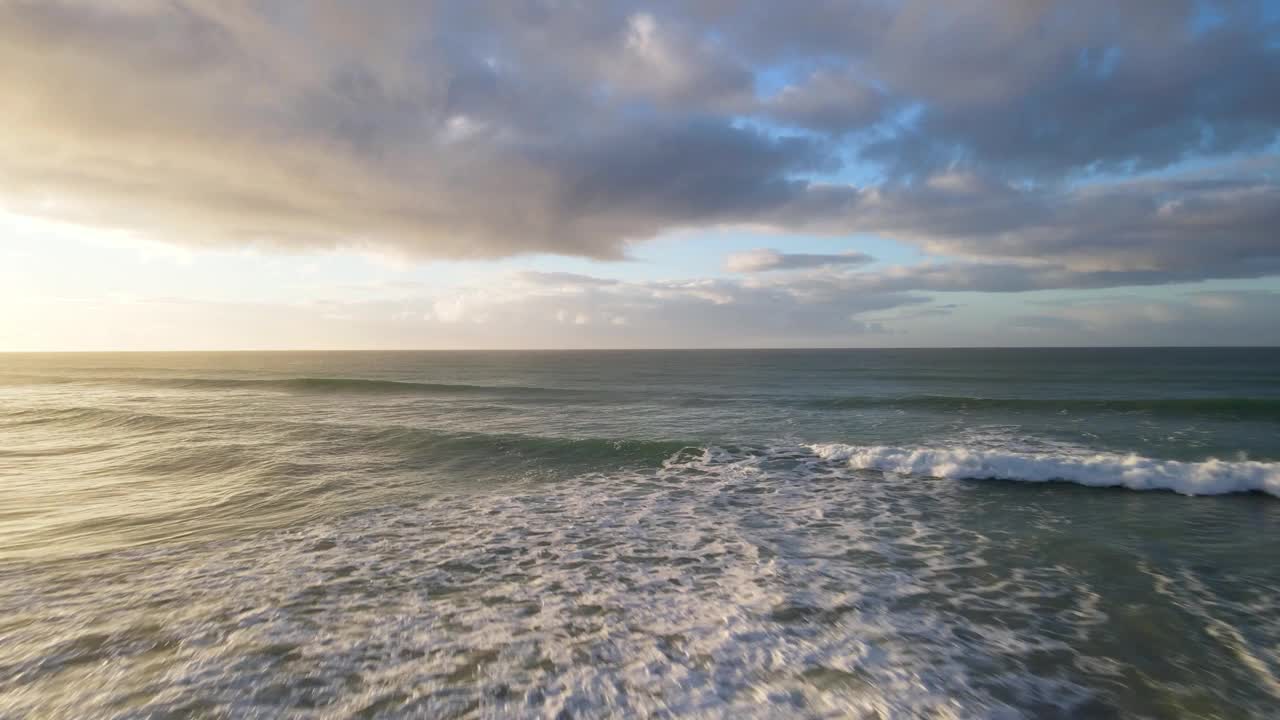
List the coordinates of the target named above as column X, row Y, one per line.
column 640, row 349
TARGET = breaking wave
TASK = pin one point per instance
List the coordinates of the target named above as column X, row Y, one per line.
column 1004, row 459
column 1207, row 477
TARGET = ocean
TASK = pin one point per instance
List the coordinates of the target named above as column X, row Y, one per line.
column 1042, row 533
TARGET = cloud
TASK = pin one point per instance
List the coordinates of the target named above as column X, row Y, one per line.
column 1140, row 230
column 560, row 309
column 1048, row 88
column 488, row 129
column 765, row 259
column 815, row 307
column 674, row 65
column 1245, row 317
column 830, row 101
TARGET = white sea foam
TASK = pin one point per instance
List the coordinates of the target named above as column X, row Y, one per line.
column 728, row 583
column 1208, row 477
column 718, row 586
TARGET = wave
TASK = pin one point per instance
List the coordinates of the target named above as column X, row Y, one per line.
column 1207, row 477
column 424, row 448
column 1239, row 407
column 93, row 417
column 359, row 385
column 500, row 449
column 428, row 444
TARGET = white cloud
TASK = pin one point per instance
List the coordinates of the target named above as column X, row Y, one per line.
column 450, row 310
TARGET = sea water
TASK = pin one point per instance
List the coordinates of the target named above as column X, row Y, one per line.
column 890, row 533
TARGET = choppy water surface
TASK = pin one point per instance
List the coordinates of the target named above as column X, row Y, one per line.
column 721, row 534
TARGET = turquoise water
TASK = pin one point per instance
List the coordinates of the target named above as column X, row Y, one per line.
column 919, row 533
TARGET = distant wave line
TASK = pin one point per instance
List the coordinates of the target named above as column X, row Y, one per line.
column 1262, row 408
column 1254, row 408
column 295, row 384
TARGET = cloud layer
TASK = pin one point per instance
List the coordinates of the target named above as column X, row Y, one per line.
column 766, row 259
column 560, row 310
column 1004, row 133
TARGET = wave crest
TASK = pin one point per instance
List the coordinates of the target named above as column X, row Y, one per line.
column 1207, row 477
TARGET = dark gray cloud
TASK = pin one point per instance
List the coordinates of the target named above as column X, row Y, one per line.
column 1122, row 232
column 1071, row 87
column 827, row 101
column 487, row 128
column 766, row 259
column 1036, row 88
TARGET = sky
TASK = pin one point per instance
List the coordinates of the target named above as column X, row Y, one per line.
column 446, row 174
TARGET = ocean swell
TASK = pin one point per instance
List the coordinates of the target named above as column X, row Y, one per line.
column 1245, row 408
column 298, row 385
